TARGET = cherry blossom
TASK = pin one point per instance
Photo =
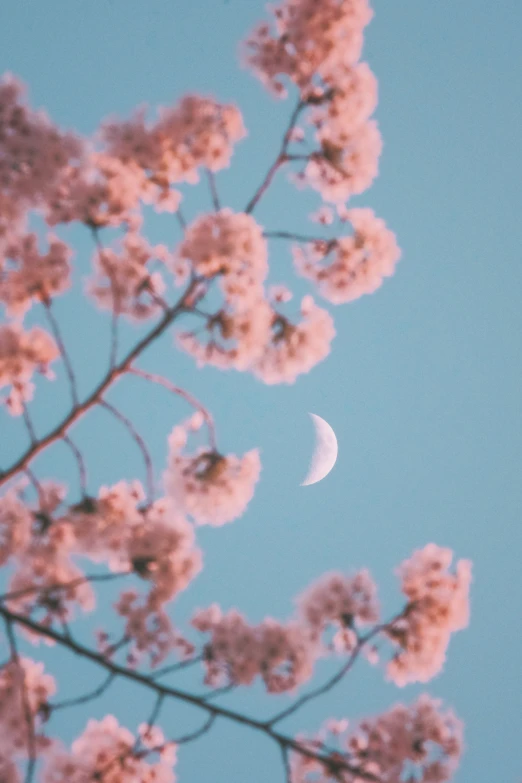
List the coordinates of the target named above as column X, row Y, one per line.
column 13, row 222
column 124, row 283
column 337, row 171
column 341, row 601
column 197, row 132
column 15, row 524
column 422, row 738
column 352, row 102
column 43, row 565
column 8, row 771
column 102, row 525
column 349, row 267
column 295, row 348
column 231, row 246
column 211, row 488
column 150, row 629
column 24, row 694
column 22, row 353
column 438, row 606
column 33, row 275
column 162, row 549
column 100, row 191
column 108, row 748
column 233, row 339
column 283, row 655
column 32, row 151
column 311, row 39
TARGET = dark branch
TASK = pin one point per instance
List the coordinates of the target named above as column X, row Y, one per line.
column 140, row 443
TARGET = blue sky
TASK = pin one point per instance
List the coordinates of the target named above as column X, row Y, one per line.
column 422, row 386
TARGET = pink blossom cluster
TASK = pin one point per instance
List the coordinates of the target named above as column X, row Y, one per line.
column 13, row 221
column 423, row 740
column 8, row 771
column 24, row 694
column 283, row 655
column 162, row 549
column 317, row 47
column 32, row 151
column 101, row 525
column 264, row 341
column 156, row 542
column 211, row 488
column 339, row 172
column 247, row 333
column 311, row 40
column 352, row 266
column 71, row 179
column 342, row 602
column 124, row 283
column 45, row 562
column 149, row 628
column 295, row 349
column 31, row 275
column 232, row 339
column 15, row 525
column 353, row 101
column 438, row 605
column 100, row 191
column 22, row 353
column 231, row 246
column 198, row 132
column 107, row 751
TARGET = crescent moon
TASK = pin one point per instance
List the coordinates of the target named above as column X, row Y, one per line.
column 325, row 453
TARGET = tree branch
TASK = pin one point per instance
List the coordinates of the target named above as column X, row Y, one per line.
column 89, row 696
column 361, row 642
column 63, row 351
column 281, row 158
column 112, row 375
column 141, row 445
column 159, row 379
column 213, row 190
column 167, row 691
column 80, row 461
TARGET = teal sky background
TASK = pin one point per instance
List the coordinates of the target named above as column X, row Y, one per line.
column 422, row 386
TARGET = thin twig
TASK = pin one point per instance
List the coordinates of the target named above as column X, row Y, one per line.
column 181, row 220
column 63, row 351
column 286, row 763
column 28, row 424
column 156, row 710
column 219, row 692
column 196, row 734
column 61, row 585
column 36, row 484
column 281, row 158
column 174, row 667
column 89, row 696
column 80, row 461
column 296, row 237
column 159, row 379
column 213, row 190
column 141, row 445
